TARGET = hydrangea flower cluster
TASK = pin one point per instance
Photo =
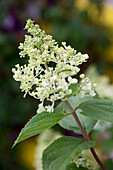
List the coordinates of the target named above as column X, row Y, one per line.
column 48, row 73
column 82, row 161
column 86, row 86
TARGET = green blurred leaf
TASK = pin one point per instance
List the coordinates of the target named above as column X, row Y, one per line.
column 98, row 109
column 62, row 151
column 53, row 13
column 69, row 122
column 108, row 164
column 39, row 123
column 107, row 145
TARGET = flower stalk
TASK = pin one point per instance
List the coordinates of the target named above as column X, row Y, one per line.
column 85, row 136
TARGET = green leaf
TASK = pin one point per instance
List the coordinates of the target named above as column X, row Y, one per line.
column 107, row 145
column 69, row 122
column 39, row 123
column 74, row 88
column 66, row 70
column 62, row 151
column 98, row 109
column 73, row 166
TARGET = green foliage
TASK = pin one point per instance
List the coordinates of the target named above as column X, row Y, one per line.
column 107, row 145
column 68, row 23
column 72, row 166
column 39, row 123
column 74, row 88
column 69, row 122
column 98, row 109
column 109, row 164
column 62, row 151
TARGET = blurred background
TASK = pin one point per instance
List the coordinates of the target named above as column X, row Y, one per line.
column 87, row 25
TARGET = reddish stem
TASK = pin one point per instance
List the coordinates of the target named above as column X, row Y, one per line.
column 86, row 136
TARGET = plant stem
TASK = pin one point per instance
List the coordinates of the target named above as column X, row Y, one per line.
column 80, row 126
column 46, row 66
column 97, row 159
column 86, row 136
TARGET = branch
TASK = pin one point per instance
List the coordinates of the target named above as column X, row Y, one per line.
column 77, row 120
column 86, row 137
column 46, row 66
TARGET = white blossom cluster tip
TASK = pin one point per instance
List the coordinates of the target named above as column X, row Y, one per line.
column 48, row 73
column 86, row 87
column 82, row 161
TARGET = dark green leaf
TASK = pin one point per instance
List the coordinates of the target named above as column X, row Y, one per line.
column 69, row 122
column 62, row 151
column 39, row 123
column 98, row 109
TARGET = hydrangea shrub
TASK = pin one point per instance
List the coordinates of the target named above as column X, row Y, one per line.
column 51, row 74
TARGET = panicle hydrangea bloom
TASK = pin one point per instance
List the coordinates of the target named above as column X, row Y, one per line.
column 82, row 161
column 48, row 73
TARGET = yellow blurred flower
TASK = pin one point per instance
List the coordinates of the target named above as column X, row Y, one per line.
column 26, row 153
